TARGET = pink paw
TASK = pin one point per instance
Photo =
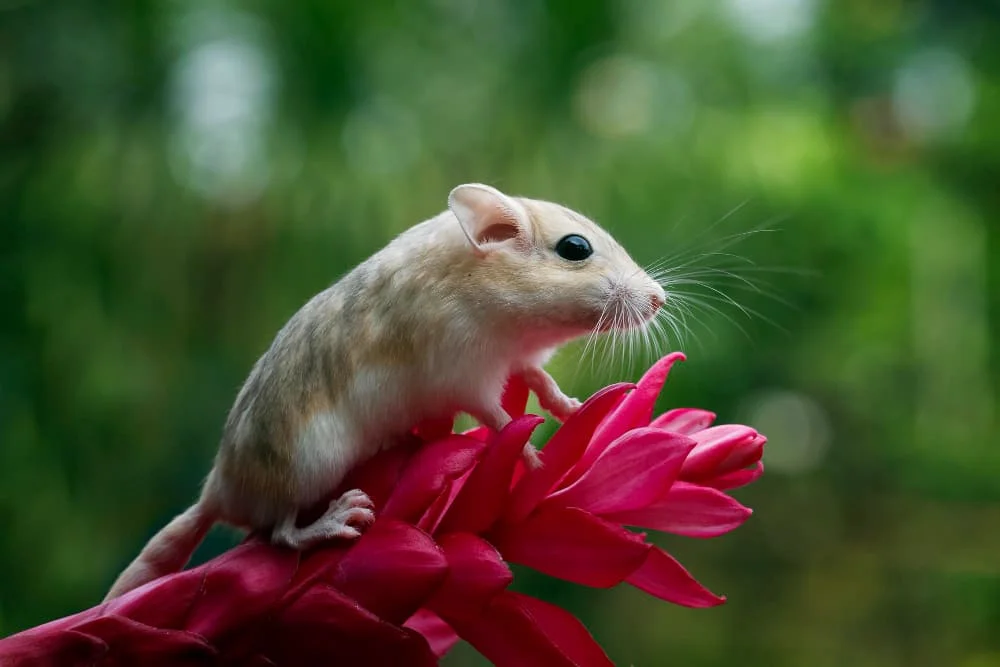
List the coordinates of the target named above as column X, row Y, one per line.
column 353, row 508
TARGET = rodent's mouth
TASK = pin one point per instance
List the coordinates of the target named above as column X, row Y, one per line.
column 622, row 316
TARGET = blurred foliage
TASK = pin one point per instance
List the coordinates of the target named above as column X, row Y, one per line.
column 176, row 178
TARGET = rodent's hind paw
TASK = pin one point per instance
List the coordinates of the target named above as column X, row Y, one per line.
column 353, row 498
column 565, row 408
column 531, row 458
column 352, row 508
column 345, row 517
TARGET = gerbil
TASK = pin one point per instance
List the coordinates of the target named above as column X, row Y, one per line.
column 433, row 324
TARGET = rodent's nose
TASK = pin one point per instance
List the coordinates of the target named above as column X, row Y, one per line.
column 657, row 300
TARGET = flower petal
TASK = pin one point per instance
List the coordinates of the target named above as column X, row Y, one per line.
column 435, row 429
column 427, row 474
column 234, row 589
column 636, row 410
column 684, row 420
column 722, row 449
column 45, row 647
column 482, row 497
column 435, row 630
column 432, row 517
column 476, row 574
column 132, row 643
column 480, row 433
column 632, row 472
column 165, row 601
column 324, row 626
column 515, row 396
column 392, row 570
column 521, row 631
column 663, row 577
column 735, row 479
column 378, row 476
column 687, row 509
column 211, row 598
column 571, row 544
column 562, row 451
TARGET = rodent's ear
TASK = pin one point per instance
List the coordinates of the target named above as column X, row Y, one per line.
column 487, row 216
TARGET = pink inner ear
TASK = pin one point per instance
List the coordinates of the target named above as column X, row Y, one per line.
column 500, row 231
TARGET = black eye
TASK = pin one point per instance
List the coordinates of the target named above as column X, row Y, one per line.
column 574, row 248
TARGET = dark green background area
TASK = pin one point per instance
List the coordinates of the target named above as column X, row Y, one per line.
column 176, row 178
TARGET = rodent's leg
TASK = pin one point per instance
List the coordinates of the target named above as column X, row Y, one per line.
column 496, row 418
column 493, row 416
column 550, row 396
column 353, row 507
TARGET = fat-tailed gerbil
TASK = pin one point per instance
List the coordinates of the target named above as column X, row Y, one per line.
column 433, row 324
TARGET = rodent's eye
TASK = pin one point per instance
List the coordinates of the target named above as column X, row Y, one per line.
column 574, row 248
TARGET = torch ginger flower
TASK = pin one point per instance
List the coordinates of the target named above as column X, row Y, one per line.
column 432, row 568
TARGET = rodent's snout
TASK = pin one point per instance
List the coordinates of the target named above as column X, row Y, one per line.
column 656, row 302
column 657, row 298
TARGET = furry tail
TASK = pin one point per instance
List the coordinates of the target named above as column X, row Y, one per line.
column 168, row 551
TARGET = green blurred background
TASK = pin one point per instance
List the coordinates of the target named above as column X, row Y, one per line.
column 176, row 178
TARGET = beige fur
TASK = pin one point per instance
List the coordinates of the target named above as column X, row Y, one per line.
column 434, row 323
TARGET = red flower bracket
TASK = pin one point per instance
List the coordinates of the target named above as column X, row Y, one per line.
column 453, row 510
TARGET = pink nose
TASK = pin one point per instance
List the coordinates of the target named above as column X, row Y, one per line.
column 656, row 301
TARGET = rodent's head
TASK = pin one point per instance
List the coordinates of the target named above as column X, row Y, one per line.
column 560, row 272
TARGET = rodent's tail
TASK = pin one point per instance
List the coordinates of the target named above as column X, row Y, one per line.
column 168, row 551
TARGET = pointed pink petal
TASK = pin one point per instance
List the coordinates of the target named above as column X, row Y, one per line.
column 515, row 396
column 635, row 411
column 482, row 498
column 735, row 479
column 435, row 630
column 663, row 577
column 562, row 451
column 632, row 472
column 476, row 574
column 574, row 545
column 684, row 420
column 427, row 474
column 521, row 631
column 687, row 509
column 392, row 570
column 432, row 517
column 722, row 449
column 744, row 456
column 324, row 626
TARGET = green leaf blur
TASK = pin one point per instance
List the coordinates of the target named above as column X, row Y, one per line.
column 176, row 178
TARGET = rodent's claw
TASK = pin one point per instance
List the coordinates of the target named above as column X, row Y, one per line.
column 531, row 457
column 566, row 408
column 348, row 533
column 352, row 508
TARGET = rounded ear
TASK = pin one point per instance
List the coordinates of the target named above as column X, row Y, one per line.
column 487, row 216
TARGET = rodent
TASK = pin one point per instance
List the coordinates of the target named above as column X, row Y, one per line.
column 433, row 324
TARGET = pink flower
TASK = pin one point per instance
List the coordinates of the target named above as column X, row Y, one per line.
column 432, row 568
